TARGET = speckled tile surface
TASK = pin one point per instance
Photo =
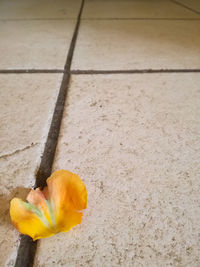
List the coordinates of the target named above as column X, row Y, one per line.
column 27, row 102
column 137, row 44
column 35, row 44
column 39, row 9
column 135, row 9
column 134, row 140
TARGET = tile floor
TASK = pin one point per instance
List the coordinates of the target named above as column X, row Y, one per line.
column 132, row 137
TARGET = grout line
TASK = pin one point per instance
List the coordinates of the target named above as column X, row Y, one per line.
column 27, row 248
column 181, row 4
column 24, row 71
column 142, row 71
column 86, row 19
column 172, row 19
column 35, row 19
column 80, row 72
column 73, row 41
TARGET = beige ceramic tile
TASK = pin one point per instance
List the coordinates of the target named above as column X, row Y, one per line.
column 134, row 9
column 35, row 44
column 194, row 4
column 134, row 140
column 130, row 44
column 27, row 103
column 39, row 9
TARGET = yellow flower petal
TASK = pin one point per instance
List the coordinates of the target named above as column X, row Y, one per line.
column 53, row 209
column 68, row 219
column 37, row 198
column 28, row 220
column 67, row 187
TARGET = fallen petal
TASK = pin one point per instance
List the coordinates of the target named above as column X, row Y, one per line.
column 29, row 220
column 54, row 209
column 37, row 198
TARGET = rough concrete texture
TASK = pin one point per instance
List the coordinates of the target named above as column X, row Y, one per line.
column 135, row 9
column 137, row 44
column 39, row 9
column 194, row 4
column 27, row 103
column 35, row 44
column 134, row 140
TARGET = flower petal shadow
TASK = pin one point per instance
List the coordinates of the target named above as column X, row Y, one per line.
column 5, row 199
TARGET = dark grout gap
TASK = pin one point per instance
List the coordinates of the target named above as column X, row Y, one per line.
column 24, row 71
column 27, row 248
column 48, row 156
column 88, row 19
column 81, row 72
column 182, row 5
column 142, row 71
column 172, row 19
column 35, row 19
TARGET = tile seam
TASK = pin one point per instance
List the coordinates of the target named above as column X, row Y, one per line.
column 156, row 19
column 82, row 72
column 24, row 71
column 88, row 19
column 35, row 19
column 136, row 71
column 27, row 247
column 185, row 6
